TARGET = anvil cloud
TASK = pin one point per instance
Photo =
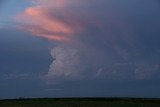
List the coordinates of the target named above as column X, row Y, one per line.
column 92, row 40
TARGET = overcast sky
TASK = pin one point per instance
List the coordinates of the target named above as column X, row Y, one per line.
column 74, row 48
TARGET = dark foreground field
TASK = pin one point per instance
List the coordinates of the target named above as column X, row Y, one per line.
column 81, row 102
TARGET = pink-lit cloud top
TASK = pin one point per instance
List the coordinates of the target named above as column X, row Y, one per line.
column 59, row 20
column 51, row 20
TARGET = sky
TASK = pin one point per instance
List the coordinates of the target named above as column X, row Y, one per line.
column 79, row 48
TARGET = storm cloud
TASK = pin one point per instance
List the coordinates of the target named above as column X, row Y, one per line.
column 94, row 40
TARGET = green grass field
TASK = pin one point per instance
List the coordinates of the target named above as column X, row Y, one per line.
column 81, row 102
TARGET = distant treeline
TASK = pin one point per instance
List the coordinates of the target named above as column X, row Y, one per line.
column 85, row 99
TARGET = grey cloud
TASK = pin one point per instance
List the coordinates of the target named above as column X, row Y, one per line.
column 117, row 41
column 127, row 37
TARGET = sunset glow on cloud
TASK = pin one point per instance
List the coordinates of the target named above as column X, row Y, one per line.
column 85, row 32
column 43, row 20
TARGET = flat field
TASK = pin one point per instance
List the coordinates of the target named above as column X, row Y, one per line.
column 81, row 102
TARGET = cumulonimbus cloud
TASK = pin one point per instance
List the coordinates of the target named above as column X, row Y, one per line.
column 92, row 40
